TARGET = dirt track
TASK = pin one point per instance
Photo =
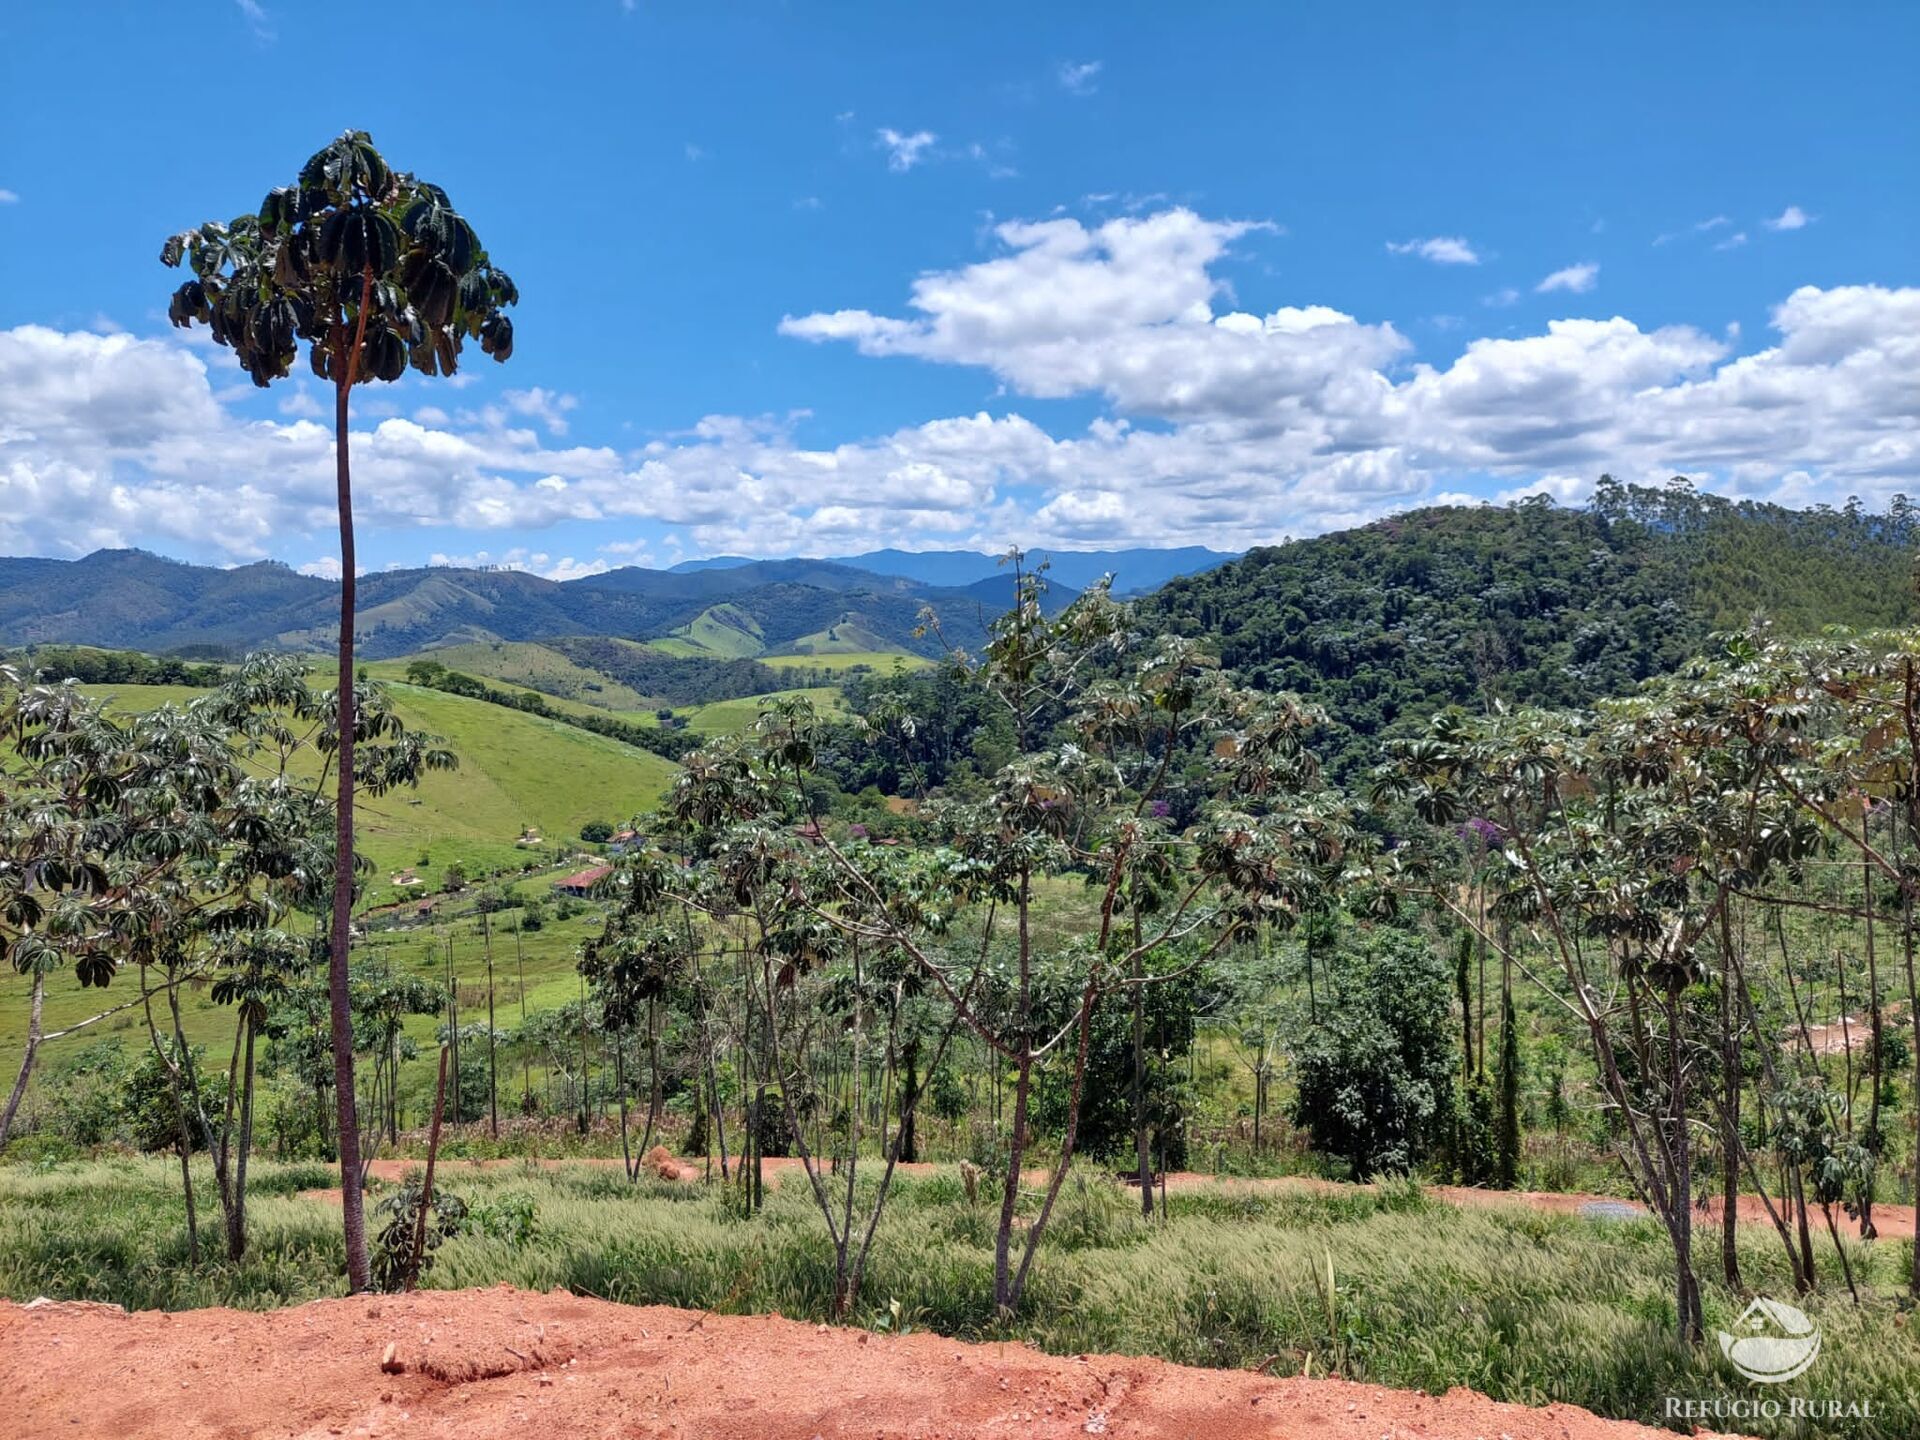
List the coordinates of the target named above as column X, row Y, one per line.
column 509, row 1363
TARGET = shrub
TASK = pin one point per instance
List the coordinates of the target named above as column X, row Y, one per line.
column 1374, row 1074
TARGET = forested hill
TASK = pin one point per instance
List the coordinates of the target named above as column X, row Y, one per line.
column 1531, row 602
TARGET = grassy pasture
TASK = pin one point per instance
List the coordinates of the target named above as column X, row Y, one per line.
column 884, row 661
column 730, row 717
column 515, row 770
column 524, row 663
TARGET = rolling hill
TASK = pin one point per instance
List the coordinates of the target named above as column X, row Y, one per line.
column 133, row 600
column 1134, row 571
column 515, row 770
column 1531, row 603
column 537, row 667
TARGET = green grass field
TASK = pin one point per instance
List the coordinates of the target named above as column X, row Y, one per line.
column 725, row 631
column 730, row 717
column 528, row 664
column 516, row 770
column 883, row 661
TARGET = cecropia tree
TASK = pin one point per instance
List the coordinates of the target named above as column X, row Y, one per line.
column 375, row 272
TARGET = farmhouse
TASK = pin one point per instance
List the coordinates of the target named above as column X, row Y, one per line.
column 581, row 882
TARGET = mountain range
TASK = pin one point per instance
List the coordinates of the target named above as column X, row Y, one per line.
column 136, row 600
column 1135, row 572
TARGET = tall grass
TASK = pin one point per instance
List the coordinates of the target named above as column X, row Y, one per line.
column 1522, row 1305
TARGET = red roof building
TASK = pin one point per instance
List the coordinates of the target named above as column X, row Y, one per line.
column 581, row 883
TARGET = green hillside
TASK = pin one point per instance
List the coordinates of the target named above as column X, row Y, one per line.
column 524, row 662
column 845, row 637
column 516, row 770
column 1530, row 603
column 724, row 630
column 729, row 717
column 883, row 661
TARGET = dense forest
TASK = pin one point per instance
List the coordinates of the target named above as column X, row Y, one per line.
column 1532, row 603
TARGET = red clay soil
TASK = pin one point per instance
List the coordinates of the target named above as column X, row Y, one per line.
column 1890, row 1221
column 509, row 1363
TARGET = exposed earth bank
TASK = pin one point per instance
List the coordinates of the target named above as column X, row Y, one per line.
column 510, row 1363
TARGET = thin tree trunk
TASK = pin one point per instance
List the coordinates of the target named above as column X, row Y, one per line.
column 1143, row 1158
column 1874, row 1147
column 620, row 1083
column 352, row 1197
column 1729, row 1117
column 1017, row 1135
column 426, row 1186
column 1913, row 1021
column 246, row 1148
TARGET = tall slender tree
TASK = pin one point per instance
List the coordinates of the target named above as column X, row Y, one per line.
column 376, row 272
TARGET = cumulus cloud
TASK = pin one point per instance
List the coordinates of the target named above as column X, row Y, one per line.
column 1077, row 77
column 1216, row 424
column 1575, row 280
column 904, row 151
column 519, row 557
column 1791, row 218
column 1440, row 249
column 1124, row 309
column 547, row 406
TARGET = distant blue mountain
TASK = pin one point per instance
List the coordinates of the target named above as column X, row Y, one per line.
column 1133, row 571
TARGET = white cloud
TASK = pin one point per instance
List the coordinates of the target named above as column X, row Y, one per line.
column 1124, row 309
column 1219, row 424
column 1791, row 218
column 904, row 151
column 1699, row 227
column 695, row 153
column 1077, row 78
column 1733, row 241
column 256, row 17
column 1502, row 298
column 1440, row 249
column 8, row 197
column 1575, row 279
column 549, row 407
column 533, row 562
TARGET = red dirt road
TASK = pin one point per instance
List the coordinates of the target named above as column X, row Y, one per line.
column 509, row 1363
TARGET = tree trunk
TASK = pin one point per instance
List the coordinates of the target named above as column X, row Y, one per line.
column 1022, row 1088
column 1010, row 1198
column 1143, row 1158
column 426, row 1185
column 1873, row 1141
column 1729, row 1117
column 36, row 1013
column 1913, row 1019
column 352, row 1203
column 237, row 1234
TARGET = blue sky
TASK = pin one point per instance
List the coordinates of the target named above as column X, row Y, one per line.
column 1212, row 274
